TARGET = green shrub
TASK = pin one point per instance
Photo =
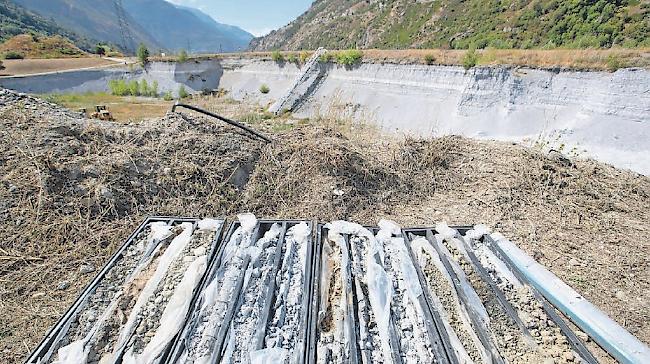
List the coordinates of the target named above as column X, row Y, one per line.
column 292, row 58
column 182, row 93
column 429, row 59
column 276, row 56
column 168, row 96
column 13, row 55
column 143, row 88
column 613, row 63
column 326, row 57
column 143, row 54
column 470, row 59
column 349, row 57
column 133, row 88
column 182, row 56
column 264, row 89
column 118, row 87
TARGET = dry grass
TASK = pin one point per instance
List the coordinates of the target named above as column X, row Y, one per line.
column 579, row 59
column 123, row 108
column 32, row 46
column 583, row 59
column 583, row 219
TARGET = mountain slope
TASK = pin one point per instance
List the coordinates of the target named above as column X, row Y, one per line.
column 16, row 20
column 181, row 28
column 240, row 35
column 464, row 23
column 92, row 18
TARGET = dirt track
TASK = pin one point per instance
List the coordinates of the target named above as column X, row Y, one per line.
column 20, row 67
column 71, row 190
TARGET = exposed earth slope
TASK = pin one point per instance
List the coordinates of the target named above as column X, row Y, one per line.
column 338, row 24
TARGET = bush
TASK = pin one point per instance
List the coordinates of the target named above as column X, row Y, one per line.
column 326, row 57
column 143, row 54
column 429, row 59
column 470, row 59
column 182, row 56
column 613, row 63
column 13, row 55
column 277, row 56
column 118, row 87
column 264, row 89
column 349, row 57
column 133, row 88
column 168, row 96
column 153, row 91
column 182, row 93
column 100, row 50
column 292, row 58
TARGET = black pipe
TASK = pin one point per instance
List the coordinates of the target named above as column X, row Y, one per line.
column 231, row 122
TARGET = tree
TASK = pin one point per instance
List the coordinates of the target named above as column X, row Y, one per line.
column 143, row 54
column 100, row 50
column 182, row 56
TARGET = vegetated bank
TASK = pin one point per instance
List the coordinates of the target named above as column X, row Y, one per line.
column 72, row 189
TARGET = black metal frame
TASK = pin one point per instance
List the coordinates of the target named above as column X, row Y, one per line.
column 480, row 327
column 44, row 350
column 306, row 348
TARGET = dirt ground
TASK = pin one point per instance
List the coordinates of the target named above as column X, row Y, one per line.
column 19, row 67
column 71, row 190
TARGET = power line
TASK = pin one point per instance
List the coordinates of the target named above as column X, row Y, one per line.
column 125, row 32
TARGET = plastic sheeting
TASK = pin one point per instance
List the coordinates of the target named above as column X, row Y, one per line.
column 269, row 356
column 380, row 287
column 171, row 253
column 173, row 317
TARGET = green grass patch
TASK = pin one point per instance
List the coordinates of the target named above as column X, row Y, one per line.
column 349, row 57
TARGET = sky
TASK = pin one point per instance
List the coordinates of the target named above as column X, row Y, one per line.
column 258, row 17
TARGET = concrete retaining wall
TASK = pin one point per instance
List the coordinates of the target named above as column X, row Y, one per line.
column 600, row 114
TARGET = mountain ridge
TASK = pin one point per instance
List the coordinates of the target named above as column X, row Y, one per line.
column 158, row 24
column 462, row 24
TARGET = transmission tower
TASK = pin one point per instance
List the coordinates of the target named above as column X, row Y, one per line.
column 127, row 38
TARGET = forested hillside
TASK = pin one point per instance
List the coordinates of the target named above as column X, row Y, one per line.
column 15, row 20
column 463, row 24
